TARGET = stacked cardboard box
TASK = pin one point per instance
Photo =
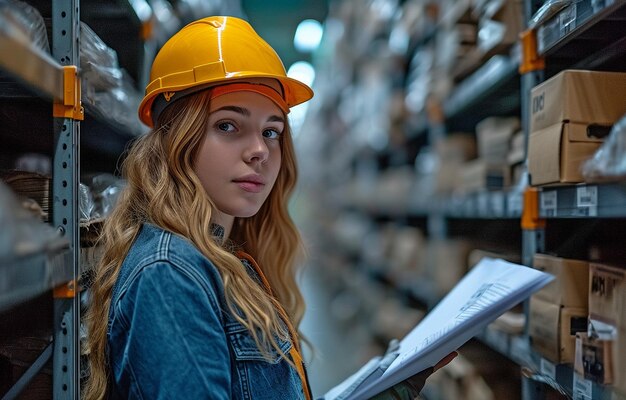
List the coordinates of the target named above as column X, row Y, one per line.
column 603, row 353
column 570, row 115
column 559, row 310
column 499, row 25
column 490, row 170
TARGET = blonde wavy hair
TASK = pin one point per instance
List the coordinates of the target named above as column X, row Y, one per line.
column 162, row 189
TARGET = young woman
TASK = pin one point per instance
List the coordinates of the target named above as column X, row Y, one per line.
column 195, row 297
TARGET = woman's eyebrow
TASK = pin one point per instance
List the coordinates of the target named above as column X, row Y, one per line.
column 240, row 110
column 276, row 118
column 246, row 113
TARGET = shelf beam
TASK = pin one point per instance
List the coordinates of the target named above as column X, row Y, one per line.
column 30, row 64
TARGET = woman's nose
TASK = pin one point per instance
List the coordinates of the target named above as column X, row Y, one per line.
column 256, row 149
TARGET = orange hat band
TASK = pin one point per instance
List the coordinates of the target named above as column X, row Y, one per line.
column 251, row 87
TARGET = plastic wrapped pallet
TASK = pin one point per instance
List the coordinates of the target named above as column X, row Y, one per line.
column 22, row 233
column 27, row 20
column 108, row 92
column 609, row 161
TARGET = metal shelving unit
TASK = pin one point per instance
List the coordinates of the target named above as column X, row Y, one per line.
column 576, row 37
column 561, row 378
column 28, row 276
column 493, row 89
column 484, row 205
column 32, row 84
column 25, row 277
column 586, row 34
column 580, row 22
column 584, row 201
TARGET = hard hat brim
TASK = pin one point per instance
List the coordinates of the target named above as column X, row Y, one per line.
column 295, row 92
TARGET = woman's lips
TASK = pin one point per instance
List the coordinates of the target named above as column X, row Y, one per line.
column 250, row 186
column 252, row 183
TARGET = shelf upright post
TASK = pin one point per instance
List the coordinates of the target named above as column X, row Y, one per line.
column 437, row 223
column 531, row 71
column 67, row 112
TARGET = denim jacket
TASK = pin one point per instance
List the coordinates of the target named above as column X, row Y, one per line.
column 170, row 334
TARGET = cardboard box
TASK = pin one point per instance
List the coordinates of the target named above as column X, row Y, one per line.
column 482, row 174
column 448, row 260
column 619, row 361
column 607, row 294
column 494, row 135
column 556, row 153
column 577, row 96
column 571, row 286
column 552, row 329
column 594, row 359
column 517, row 151
column 500, row 25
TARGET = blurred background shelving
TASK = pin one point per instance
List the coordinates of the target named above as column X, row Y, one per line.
column 414, row 161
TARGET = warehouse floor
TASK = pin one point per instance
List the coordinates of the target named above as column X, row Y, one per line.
column 335, row 356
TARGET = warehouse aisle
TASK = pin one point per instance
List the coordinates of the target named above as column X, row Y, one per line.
column 335, row 356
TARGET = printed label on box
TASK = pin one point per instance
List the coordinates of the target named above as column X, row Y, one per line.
column 587, row 197
column 567, row 19
column 548, row 203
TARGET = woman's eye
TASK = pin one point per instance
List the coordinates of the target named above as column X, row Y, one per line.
column 271, row 134
column 225, row 127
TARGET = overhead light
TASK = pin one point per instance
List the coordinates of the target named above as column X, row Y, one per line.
column 302, row 71
column 308, row 35
column 305, row 73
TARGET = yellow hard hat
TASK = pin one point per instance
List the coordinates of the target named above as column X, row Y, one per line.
column 209, row 52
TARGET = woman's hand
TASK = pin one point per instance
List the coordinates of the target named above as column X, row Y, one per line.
column 410, row 388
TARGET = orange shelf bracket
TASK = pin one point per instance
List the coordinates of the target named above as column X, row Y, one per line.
column 531, row 60
column 530, row 213
column 65, row 291
column 71, row 105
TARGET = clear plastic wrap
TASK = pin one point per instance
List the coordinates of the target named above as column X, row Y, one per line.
column 23, row 233
column 116, row 104
column 86, row 203
column 28, row 20
column 609, row 161
column 106, row 189
column 107, row 90
column 99, row 64
column 547, row 10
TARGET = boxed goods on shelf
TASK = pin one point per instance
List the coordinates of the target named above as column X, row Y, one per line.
column 552, row 329
column 619, row 360
column 555, row 154
column 607, row 314
column 609, row 161
column 449, row 261
column 607, row 295
column 451, row 153
column 593, row 358
column 405, row 249
column 571, row 284
column 570, row 115
column 500, row 25
column 578, row 96
column 483, row 174
column 516, row 152
column 494, row 135
column 517, row 156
